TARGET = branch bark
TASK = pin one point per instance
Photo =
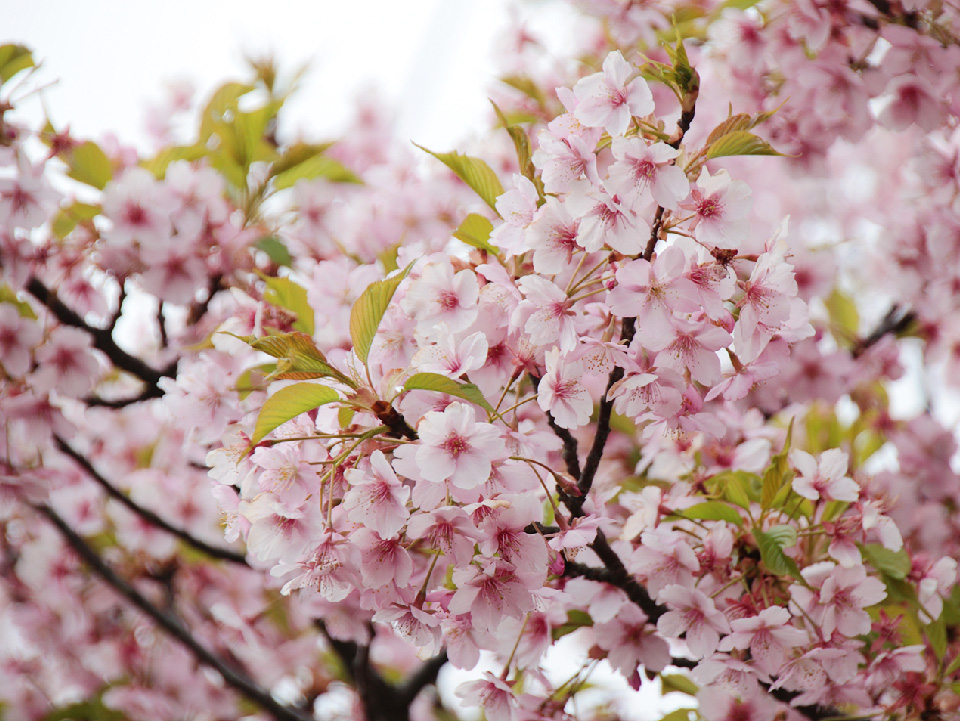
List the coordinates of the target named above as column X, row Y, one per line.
column 222, row 554
column 381, row 700
column 173, row 626
column 103, row 341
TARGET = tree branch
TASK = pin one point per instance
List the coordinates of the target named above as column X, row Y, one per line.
column 894, row 321
column 102, row 340
column 223, row 554
column 172, row 625
column 381, row 700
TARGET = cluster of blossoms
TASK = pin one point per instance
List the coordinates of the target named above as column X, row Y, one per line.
column 617, row 399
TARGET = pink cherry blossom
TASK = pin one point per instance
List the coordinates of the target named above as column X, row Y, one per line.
column 769, row 636
column 692, row 613
column 720, row 206
column 455, row 447
column 441, row 296
column 376, row 498
column 826, row 477
column 606, row 100
column 545, row 313
column 643, row 171
column 837, row 597
column 494, row 695
column 652, row 292
column 18, row 337
column 561, row 392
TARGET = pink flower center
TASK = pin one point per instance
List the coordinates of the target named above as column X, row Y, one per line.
column 136, row 215
column 448, row 300
column 455, row 445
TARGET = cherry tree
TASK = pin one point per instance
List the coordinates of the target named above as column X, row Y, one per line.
column 291, row 426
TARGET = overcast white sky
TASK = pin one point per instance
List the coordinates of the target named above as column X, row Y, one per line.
column 431, row 59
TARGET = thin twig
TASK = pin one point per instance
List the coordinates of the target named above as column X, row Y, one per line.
column 173, row 626
column 102, row 340
column 223, row 554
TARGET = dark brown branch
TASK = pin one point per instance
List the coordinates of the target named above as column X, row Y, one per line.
column 115, row 318
column 102, row 340
column 570, row 454
column 616, row 574
column 172, row 625
column 381, row 700
column 223, row 554
column 421, row 678
column 894, row 321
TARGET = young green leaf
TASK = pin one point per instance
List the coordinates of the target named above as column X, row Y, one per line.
column 275, row 250
column 298, row 358
column 771, row 545
column 675, row 682
column 474, row 172
column 712, row 511
column 442, row 384
column 13, row 59
column 575, row 619
column 318, row 166
column 475, row 231
column 740, row 142
column 367, row 312
column 288, row 403
column 777, row 474
column 285, row 293
column 89, row 164
column 895, row 564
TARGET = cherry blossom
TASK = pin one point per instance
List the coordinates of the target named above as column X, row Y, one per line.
column 608, row 101
column 455, row 447
column 561, row 393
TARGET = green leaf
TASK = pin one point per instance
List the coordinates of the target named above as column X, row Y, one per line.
column 712, row 511
column 296, row 154
column 298, row 357
column 318, row 166
column 159, row 163
column 345, row 416
column 736, row 123
column 526, row 86
column 675, row 682
column 953, row 667
column 67, row 218
column 474, row 172
column 777, row 474
column 771, row 545
column 844, row 318
column 288, row 403
column 740, row 142
column 475, row 231
column 285, row 293
column 937, row 635
column 575, row 619
column 521, row 144
column 738, row 487
column 254, row 379
column 24, row 309
column 275, row 250
column 89, row 164
column 13, row 59
column 442, row 384
column 367, row 312
column 680, row 714
column 221, row 107
column 895, row 564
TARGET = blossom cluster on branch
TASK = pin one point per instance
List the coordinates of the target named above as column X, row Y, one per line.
column 602, row 379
